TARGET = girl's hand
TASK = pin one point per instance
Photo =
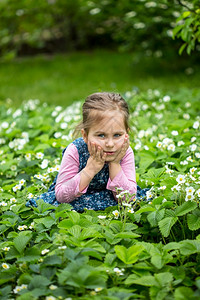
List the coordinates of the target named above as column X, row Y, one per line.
column 97, row 158
column 123, row 150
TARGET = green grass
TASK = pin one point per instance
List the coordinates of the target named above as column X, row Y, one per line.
column 62, row 79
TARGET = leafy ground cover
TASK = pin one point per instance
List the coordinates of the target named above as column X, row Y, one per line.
column 62, row 79
column 147, row 250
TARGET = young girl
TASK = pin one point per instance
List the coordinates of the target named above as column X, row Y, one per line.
column 94, row 165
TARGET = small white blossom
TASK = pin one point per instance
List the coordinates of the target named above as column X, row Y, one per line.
column 39, row 155
column 196, row 125
column 171, row 147
column 198, row 192
column 180, row 143
column 6, row 248
column 102, row 217
column 192, row 170
column 116, row 214
column 180, row 179
column 190, row 190
column 174, row 132
column 189, row 197
column 44, row 251
column 5, row 266
column 193, row 147
column 118, row 271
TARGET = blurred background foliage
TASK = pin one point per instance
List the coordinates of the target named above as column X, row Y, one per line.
column 29, row 27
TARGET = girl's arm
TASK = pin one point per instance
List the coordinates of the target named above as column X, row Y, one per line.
column 67, row 184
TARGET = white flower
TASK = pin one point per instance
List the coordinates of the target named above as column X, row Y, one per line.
column 63, row 125
column 162, row 187
column 166, row 98
column 176, row 187
column 116, row 214
column 95, row 11
column 196, row 125
column 139, row 25
column 39, row 155
column 50, row 298
column 21, row 227
column 193, row 139
column 44, row 164
column 197, row 154
column 44, row 251
column 3, row 203
column 98, row 289
column 13, row 168
column 102, row 217
column 180, row 143
column 184, row 162
column 6, row 248
column 189, row 190
column 5, row 266
column 180, row 179
column 53, row 287
column 189, row 197
column 171, row 147
column 57, row 135
column 62, row 247
column 174, row 132
column 159, row 144
column 126, row 204
column 149, row 194
column 130, row 210
column 16, row 188
column 189, row 158
column 193, row 147
column 198, row 192
column 22, row 182
column 118, row 271
column 186, row 116
column 192, row 170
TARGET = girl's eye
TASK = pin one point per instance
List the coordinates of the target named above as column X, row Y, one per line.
column 117, row 135
column 101, row 135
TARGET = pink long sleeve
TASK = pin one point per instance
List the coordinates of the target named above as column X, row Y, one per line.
column 67, row 185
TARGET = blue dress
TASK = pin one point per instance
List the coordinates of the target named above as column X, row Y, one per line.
column 97, row 196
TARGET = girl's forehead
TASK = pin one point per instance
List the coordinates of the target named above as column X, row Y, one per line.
column 110, row 122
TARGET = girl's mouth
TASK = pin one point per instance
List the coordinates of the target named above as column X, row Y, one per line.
column 109, row 152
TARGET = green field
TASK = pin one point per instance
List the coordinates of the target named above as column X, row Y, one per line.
column 62, row 79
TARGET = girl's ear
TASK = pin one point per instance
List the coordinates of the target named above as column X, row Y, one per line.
column 84, row 135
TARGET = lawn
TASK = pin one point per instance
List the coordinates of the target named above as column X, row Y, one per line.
column 62, row 79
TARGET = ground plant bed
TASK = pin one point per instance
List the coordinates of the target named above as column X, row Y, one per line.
column 149, row 249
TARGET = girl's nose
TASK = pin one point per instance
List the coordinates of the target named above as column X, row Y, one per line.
column 109, row 143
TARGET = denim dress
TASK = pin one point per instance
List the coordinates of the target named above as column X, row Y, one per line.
column 97, row 197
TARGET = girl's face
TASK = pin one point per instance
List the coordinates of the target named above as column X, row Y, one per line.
column 109, row 134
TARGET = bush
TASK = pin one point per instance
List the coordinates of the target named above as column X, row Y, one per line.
column 51, row 26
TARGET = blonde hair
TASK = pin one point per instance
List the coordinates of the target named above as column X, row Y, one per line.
column 94, row 107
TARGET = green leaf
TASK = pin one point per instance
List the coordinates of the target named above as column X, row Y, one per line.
column 145, row 208
column 166, row 224
column 188, row 247
column 127, row 235
column 184, row 293
column 52, row 260
column 193, row 220
column 39, row 281
column 185, row 208
column 22, row 240
column 130, row 255
column 144, row 280
column 186, row 14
